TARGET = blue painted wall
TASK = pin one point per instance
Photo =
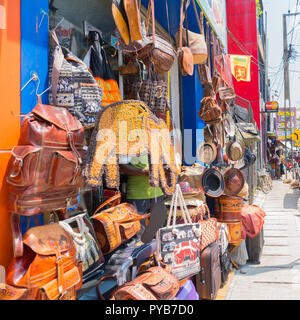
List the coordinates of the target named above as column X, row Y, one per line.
column 34, row 51
column 34, row 58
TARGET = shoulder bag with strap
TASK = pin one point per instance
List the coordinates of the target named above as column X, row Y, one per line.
column 73, row 85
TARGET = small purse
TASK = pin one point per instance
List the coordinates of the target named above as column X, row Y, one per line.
column 87, row 247
column 116, row 225
column 152, row 91
column 179, row 244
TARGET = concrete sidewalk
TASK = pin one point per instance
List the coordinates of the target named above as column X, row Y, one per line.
column 277, row 277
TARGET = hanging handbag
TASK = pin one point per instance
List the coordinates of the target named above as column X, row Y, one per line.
column 157, row 50
column 87, row 247
column 209, row 231
column 197, row 42
column 48, row 268
column 248, row 132
column 184, row 53
column 210, row 111
column 152, row 91
column 73, row 85
column 116, row 225
column 179, row 245
column 103, row 73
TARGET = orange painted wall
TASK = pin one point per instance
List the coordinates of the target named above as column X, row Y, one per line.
column 10, row 106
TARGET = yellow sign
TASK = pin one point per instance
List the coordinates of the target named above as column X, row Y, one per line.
column 296, row 135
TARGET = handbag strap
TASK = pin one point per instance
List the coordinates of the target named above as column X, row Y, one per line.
column 186, row 24
column 181, row 24
column 108, row 201
column 199, row 20
column 208, row 47
column 151, row 12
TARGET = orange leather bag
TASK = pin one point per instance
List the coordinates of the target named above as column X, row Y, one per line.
column 48, row 269
column 116, row 225
column 156, row 283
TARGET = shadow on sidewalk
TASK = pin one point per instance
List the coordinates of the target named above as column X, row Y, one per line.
column 290, row 200
column 253, row 270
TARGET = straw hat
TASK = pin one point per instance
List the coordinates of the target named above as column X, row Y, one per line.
column 234, row 182
column 207, row 152
column 235, row 149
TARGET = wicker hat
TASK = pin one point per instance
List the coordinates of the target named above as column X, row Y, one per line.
column 207, row 152
column 212, row 182
column 235, row 149
column 234, row 182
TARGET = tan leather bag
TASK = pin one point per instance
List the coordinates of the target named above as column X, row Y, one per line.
column 197, row 42
column 116, row 225
column 48, row 269
column 157, row 50
column 184, row 53
column 156, row 283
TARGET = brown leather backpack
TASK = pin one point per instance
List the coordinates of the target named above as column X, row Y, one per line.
column 48, row 269
column 44, row 173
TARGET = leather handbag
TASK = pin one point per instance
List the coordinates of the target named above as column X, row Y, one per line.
column 235, row 232
column 116, row 225
column 210, row 111
column 184, row 53
column 228, row 208
column 87, row 247
column 152, row 91
column 179, row 244
column 44, row 173
column 48, row 269
column 72, row 85
column 156, row 50
column 204, row 70
column 156, row 283
column 197, row 42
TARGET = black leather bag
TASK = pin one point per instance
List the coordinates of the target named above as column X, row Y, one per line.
column 249, row 159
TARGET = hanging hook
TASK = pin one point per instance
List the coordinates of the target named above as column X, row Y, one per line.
column 34, row 77
column 44, row 13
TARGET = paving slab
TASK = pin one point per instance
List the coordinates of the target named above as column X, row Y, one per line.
column 277, row 277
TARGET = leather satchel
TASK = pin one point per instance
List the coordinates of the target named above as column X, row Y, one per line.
column 184, row 53
column 197, row 42
column 157, row 50
column 48, row 269
column 152, row 91
column 116, row 225
column 156, row 283
column 44, row 173
column 210, row 111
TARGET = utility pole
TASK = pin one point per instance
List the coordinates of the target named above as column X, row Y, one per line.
column 287, row 96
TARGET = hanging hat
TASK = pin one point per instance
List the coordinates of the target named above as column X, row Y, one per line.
column 235, row 149
column 120, row 18
column 234, row 182
column 212, row 182
column 207, row 152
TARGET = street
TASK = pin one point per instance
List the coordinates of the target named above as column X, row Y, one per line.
column 277, row 277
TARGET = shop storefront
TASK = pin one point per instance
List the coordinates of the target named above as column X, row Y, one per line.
column 65, row 51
